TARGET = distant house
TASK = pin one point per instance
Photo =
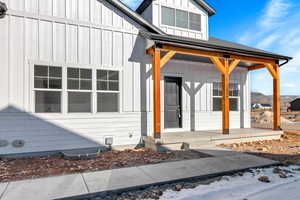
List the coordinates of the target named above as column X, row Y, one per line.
column 261, row 106
column 295, row 105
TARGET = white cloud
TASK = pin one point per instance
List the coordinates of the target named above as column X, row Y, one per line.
column 289, row 85
column 275, row 10
column 279, row 33
column 268, row 41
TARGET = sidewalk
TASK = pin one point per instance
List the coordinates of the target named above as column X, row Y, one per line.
column 224, row 161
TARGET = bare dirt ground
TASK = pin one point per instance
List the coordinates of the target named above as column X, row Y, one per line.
column 286, row 150
column 20, row 169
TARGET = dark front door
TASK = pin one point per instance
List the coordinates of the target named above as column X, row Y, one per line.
column 173, row 107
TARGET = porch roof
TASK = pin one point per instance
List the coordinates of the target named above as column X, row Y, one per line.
column 213, row 44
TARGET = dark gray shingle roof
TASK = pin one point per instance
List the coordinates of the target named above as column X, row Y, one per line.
column 136, row 17
column 213, row 44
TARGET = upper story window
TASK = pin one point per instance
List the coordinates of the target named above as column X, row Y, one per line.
column 181, row 18
column 195, row 22
column 168, row 16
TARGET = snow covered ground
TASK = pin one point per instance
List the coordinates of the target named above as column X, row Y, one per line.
column 246, row 187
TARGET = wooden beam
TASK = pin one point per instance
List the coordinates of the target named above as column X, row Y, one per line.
column 218, row 63
column 166, row 58
column 203, row 53
column 156, row 93
column 193, row 52
column 225, row 98
column 233, row 65
column 150, row 51
column 276, row 100
column 272, row 70
column 253, row 59
column 255, row 67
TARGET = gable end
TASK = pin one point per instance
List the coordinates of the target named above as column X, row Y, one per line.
column 210, row 10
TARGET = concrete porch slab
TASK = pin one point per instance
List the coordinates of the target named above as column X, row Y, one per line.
column 200, row 139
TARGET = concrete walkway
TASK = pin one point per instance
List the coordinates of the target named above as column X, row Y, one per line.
column 224, row 161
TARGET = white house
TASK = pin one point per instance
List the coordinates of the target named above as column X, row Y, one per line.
column 75, row 73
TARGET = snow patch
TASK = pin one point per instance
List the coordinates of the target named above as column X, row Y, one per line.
column 245, row 187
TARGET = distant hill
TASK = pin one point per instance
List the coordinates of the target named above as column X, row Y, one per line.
column 257, row 97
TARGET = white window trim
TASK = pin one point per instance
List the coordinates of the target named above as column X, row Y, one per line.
column 79, row 90
column 33, row 90
column 237, row 97
column 109, row 91
column 64, row 90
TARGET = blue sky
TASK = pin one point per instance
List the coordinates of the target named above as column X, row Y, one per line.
column 272, row 25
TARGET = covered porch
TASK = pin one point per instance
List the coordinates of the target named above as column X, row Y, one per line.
column 226, row 59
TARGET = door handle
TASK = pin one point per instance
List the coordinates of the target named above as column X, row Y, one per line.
column 179, row 113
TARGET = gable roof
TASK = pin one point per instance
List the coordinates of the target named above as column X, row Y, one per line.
column 297, row 100
column 213, row 44
column 209, row 9
column 134, row 16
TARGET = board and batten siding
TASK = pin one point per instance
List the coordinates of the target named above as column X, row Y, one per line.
column 92, row 34
column 70, row 33
column 153, row 14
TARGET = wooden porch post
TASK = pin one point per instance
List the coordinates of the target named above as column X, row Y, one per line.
column 225, row 68
column 225, row 98
column 276, row 99
column 156, row 65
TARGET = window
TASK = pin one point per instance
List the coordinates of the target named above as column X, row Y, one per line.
column 108, row 91
column 217, row 96
column 168, row 16
column 182, row 19
column 79, row 90
column 47, row 88
column 195, row 22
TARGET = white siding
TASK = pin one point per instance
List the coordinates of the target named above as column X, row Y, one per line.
column 66, row 33
column 92, row 35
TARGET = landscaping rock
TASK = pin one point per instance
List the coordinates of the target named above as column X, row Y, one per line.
column 282, row 175
column 264, row 179
column 178, row 187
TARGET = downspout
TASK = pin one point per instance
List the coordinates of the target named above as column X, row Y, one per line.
column 285, row 62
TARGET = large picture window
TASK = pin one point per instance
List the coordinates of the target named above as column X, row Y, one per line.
column 180, row 18
column 107, row 91
column 47, row 89
column 79, row 90
column 217, row 96
column 75, row 90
